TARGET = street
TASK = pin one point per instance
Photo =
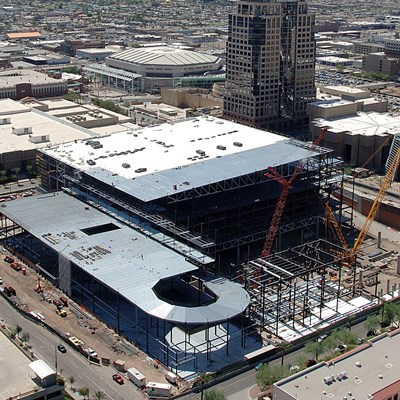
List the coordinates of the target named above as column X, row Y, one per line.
column 44, row 345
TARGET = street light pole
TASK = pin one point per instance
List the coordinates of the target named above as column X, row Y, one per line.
column 55, row 355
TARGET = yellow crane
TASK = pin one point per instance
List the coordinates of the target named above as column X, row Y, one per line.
column 387, row 180
column 330, row 218
column 350, row 253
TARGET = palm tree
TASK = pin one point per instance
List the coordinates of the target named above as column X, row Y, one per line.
column 16, row 171
column 99, row 395
column 203, row 378
column 3, row 174
column 71, row 381
column 83, row 392
column 18, row 329
column 283, row 346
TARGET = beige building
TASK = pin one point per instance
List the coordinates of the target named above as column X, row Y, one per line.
column 379, row 62
column 189, row 98
column 23, row 130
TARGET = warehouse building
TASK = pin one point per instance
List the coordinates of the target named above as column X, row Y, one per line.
column 17, row 84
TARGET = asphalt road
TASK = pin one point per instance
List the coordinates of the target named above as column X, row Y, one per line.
column 44, row 345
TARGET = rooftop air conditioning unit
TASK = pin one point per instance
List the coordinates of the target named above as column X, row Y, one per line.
column 4, row 121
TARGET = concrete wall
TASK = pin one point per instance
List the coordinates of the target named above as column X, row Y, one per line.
column 354, row 148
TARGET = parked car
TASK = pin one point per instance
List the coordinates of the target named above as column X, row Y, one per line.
column 360, row 340
column 1, row 280
column 61, row 348
column 8, row 259
column 118, row 378
column 12, row 291
column 341, row 347
column 17, row 266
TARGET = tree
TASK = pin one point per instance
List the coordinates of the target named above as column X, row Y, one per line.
column 269, row 374
column 71, row 381
column 214, row 394
column 25, row 337
column 18, row 329
column 344, row 336
column 99, row 395
column 372, row 323
column 283, row 346
column 83, row 392
column 391, row 314
column 314, row 348
column 203, row 378
column 3, row 174
column 16, row 171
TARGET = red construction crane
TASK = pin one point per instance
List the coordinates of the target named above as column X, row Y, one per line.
column 286, row 185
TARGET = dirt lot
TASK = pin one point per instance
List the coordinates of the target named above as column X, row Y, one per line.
column 79, row 322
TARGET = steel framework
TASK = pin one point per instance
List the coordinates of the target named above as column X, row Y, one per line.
column 292, row 287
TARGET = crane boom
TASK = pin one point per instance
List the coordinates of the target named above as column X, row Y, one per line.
column 272, row 173
column 389, row 176
column 331, row 218
column 376, row 151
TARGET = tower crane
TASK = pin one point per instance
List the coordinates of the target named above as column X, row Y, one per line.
column 272, row 173
column 387, row 180
column 351, row 253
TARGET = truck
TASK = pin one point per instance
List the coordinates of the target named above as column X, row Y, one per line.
column 136, row 377
column 156, row 390
column 171, row 377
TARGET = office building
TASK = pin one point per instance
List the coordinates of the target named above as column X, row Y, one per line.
column 270, row 64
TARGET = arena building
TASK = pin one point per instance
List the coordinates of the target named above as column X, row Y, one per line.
column 160, row 65
column 154, row 221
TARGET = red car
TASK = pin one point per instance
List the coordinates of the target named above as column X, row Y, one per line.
column 118, row 378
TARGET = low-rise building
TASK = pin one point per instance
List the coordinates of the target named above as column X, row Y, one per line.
column 380, row 62
column 17, row 84
column 368, row 372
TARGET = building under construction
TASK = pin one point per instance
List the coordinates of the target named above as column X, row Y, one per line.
column 153, row 223
column 200, row 182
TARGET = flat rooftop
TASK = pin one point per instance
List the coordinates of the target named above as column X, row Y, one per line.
column 369, row 368
column 365, row 124
column 24, row 117
column 124, row 259
column 15, row 374
column 177, row 156
column 10, row 78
